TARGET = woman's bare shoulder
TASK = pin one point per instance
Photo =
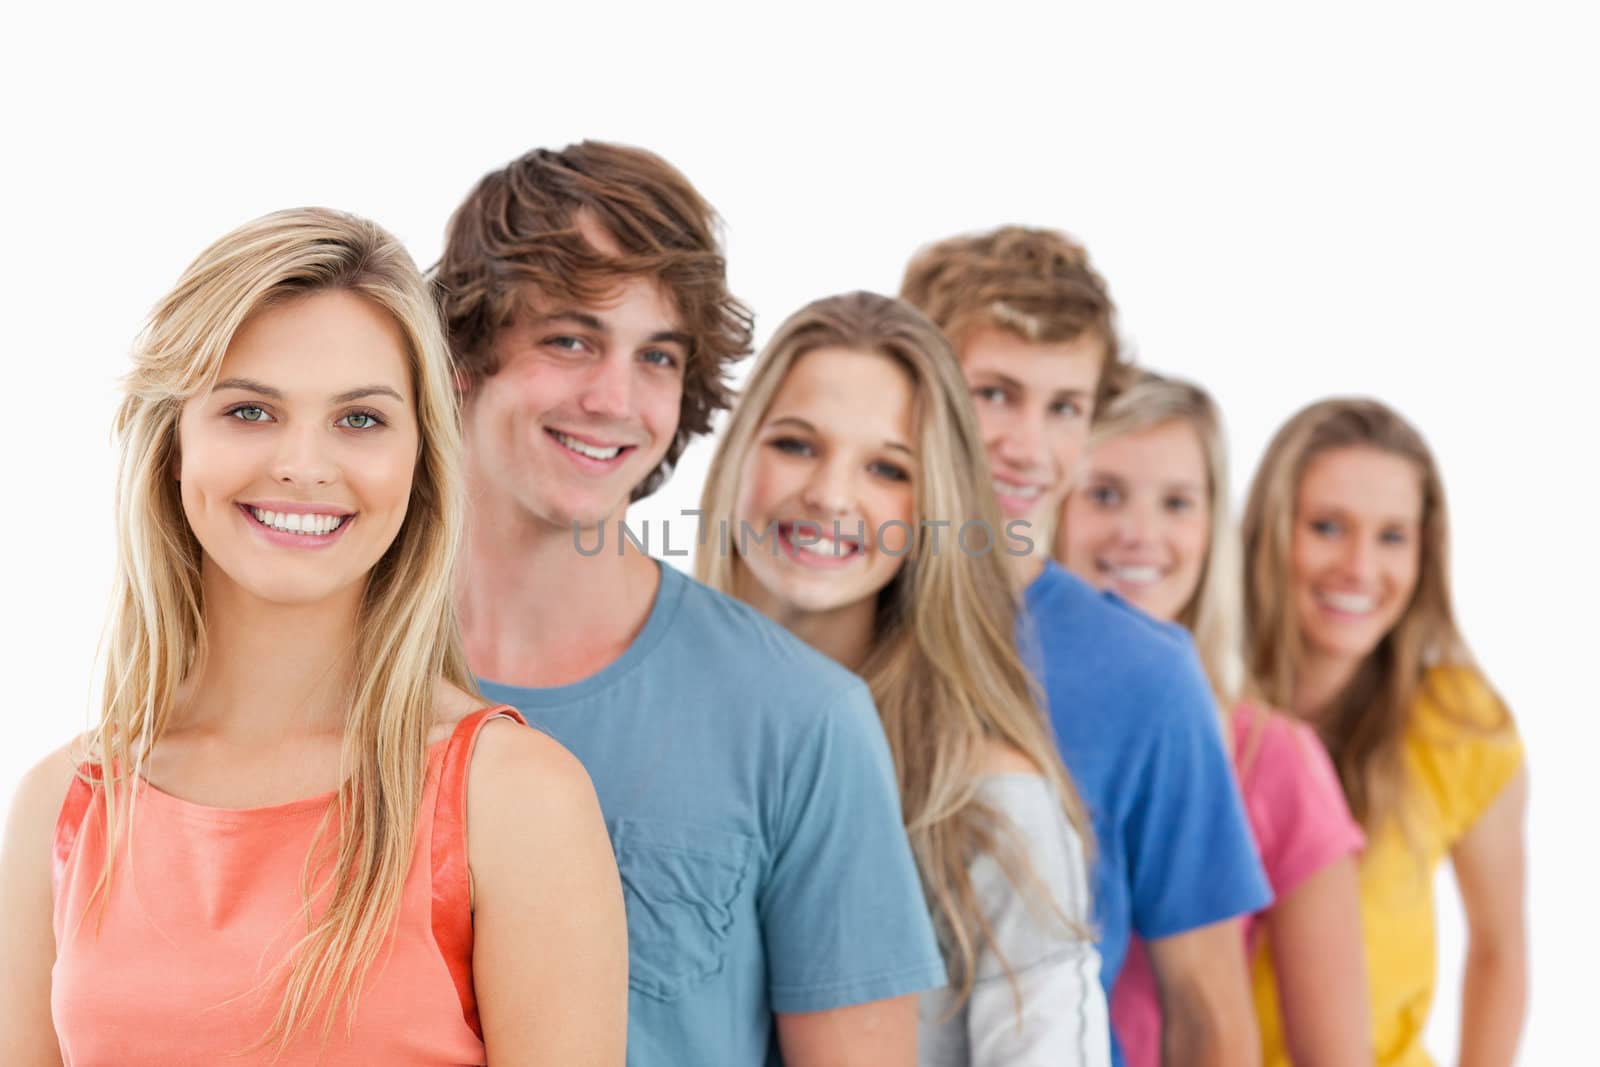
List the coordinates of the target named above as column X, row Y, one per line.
column 506, row 752
column 516, row 770
column 514, row 760
column 37, row 802
column 49, row 779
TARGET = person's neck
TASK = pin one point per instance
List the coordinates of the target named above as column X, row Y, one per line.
column 842, row 634
column 535, row 611
column 1038, row 535
column 271, row 671
column 1320, row 679
column 1025, row 570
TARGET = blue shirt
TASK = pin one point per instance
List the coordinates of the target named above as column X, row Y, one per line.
column 751, row 801
column 1141, row 734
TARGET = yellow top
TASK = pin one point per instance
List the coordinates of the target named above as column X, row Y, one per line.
column 1456, row 763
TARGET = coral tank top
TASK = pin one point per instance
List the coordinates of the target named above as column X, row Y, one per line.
column 207, row 902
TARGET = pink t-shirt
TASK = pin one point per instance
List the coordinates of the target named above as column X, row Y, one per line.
column 1301, row 824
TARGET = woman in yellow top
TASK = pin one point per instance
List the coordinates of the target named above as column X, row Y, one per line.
column 1351, row 627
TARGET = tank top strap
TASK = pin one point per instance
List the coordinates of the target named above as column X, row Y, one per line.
column 452, row 886
column 74, row 809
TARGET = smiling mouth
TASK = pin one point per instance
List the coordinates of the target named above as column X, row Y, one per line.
column 1131, row 574
column 600, row 454
column 1356, row 604
column 305, row 524
column 819, row 547
column 1020, row 492
column 1017, row 500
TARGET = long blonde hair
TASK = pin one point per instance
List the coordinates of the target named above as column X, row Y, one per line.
column 1366, row 725
column 944, row 668
column 407, row 638
column 1213, row 613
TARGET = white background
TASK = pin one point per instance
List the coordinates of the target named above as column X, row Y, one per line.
column 1389, row 200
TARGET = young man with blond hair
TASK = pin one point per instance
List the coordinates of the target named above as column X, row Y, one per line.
column 1032, row 324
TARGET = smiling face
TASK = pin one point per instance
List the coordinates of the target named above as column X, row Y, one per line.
column 1140, row 522
column 296, row 466
column 835, row 447
column 583, row 404
column 1033, row 402
column 1355, row 549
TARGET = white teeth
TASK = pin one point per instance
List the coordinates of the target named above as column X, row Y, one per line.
column 588, row 450
column 1026, row 492
column 824, row 546
column 1138, row 575
column 1350, row 603
column 299, row 522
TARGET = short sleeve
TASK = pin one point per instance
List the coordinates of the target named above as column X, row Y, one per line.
column 1467, row 746
column 842, row 909
column 1192, row 859
column 1295, row 801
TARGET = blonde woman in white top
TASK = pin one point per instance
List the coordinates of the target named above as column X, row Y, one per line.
column 849, row 500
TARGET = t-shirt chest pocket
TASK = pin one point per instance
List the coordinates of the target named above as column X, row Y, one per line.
column 682, row 886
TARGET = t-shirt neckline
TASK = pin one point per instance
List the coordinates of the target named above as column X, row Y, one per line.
column 1045, row 578
column 669, row 593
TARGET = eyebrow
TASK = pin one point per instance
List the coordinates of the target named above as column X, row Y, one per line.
column 1002, row 379
column 997, row 377
column 598, row 325
column 366, row 391
column 582, row 318
column 795, row 420
column 250, row 385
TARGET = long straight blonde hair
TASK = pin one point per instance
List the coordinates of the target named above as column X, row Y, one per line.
column 407, row 640
column 1366, row 725
column 944, row 668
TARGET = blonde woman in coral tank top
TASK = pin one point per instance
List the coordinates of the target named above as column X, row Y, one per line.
column 294, row 835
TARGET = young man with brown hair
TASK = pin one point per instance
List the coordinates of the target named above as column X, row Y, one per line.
column 1032, row 323
column 774, row 910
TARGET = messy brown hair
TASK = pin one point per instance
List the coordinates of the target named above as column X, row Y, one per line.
column 1037, row 284
column 518, row 232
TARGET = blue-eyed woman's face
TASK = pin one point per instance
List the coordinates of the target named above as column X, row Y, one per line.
column 296, row 466
column 1140, row 522
column 1356, row 549
column 831, row 474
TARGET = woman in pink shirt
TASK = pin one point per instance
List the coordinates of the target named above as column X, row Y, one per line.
column 260, row 852
column 1150, row 521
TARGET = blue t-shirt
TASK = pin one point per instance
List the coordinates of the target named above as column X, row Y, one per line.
column 751, row 801
column 1141, row 734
